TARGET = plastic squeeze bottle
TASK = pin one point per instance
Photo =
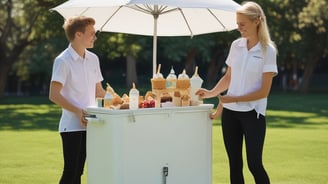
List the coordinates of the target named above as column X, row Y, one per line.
column 196, row 83
column 171, row 79
column 134, row 98
column 108, row 96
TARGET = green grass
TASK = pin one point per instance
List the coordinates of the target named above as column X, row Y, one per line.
column 295, row 149
column 293, row 156
column 30, row 157
column 296, row 142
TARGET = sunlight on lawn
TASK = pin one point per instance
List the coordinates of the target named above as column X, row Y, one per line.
column 281, row 118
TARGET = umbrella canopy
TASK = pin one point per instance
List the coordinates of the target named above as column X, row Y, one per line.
column 156, row 17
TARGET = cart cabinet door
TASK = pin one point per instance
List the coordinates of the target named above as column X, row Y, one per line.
column 154, row 148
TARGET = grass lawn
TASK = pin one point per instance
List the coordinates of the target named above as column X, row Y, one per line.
column 295, row 149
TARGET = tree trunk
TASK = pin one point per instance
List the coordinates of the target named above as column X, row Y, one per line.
column 131, row 70
column 190, row 62
column 308, row 71
column 4, row 71
column 213, row 72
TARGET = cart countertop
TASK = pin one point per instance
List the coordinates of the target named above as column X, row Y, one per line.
column 101, row 110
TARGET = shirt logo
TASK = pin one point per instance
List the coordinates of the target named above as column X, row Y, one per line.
column 258, row 57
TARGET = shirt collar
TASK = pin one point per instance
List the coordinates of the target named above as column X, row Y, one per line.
column 74, row 54
column 243, row 43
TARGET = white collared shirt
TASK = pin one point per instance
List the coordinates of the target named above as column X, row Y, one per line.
column 247, row 67
column 79, row 77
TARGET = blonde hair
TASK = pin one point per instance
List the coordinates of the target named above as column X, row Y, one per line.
column 254, row 12
column 76, row 24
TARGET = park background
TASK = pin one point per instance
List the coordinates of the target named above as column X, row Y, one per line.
column 31, row 37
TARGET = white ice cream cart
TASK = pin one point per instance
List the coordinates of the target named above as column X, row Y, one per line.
column 171, row 145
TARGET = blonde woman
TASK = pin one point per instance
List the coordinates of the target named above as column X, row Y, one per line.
column 251, row 67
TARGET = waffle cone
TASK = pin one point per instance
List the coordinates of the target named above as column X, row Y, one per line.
column 158, row 83
column 183, row 83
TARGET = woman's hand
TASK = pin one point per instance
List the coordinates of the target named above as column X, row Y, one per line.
column 262, row 92
column 217, row 112
column 227, row 99
column 202, row 93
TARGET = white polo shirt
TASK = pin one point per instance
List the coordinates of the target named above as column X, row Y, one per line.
column 247, row 67
column 79, row 77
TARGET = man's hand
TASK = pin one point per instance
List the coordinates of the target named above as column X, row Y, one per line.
column 82, row 116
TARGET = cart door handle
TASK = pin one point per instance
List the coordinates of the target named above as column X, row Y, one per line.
column 94, row 120
column 165, row 173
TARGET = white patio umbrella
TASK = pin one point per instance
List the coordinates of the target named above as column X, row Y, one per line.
column 156, row 17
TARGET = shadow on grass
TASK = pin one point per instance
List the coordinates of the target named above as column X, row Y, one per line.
column 295, row 110
column 295, row 119
column 29, row 113
column 290, row 119
column 290, row 110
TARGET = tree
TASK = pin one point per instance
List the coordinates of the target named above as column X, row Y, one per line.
column 116, row 45
column 31, row 36
column 313, row 20
column 298, row 28
column 22, row 25
column 208, row 50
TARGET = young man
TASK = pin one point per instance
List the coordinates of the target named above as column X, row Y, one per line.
column 75, row 83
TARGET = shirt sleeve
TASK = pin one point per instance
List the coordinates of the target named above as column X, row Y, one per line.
column 99, row 76
column 270, row 64
column 59, row 71
column 228, row 60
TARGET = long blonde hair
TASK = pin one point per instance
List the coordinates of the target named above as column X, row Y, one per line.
column 254, row 12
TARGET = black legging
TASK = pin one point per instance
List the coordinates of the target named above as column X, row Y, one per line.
column 236, row 125
column 74, row 151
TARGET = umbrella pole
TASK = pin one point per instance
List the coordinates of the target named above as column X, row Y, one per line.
column 154, row 51
column 155, row 39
